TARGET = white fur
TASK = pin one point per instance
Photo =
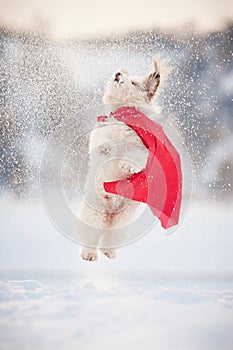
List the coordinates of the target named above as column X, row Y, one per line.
column 116, row 152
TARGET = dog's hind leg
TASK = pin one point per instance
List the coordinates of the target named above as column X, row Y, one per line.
column 89, row 235
column 112, row 239
column 89, row 252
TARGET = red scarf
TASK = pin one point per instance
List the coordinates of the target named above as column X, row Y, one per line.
column 160, row 183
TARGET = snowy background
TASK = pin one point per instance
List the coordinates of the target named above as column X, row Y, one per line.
column 163, row 291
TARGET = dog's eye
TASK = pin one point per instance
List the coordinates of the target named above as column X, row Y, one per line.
column 133, row 82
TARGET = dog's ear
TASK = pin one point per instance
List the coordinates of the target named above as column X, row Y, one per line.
column 151, row 82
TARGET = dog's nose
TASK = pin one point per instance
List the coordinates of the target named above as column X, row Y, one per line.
column 117, row 76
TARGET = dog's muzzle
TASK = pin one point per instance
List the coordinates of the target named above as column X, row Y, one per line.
column 117, row 77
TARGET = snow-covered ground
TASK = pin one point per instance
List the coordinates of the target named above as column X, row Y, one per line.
column 38, row 316
column 163, row 291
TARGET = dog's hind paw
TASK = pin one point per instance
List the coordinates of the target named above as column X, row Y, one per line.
column 89, row 256
column 110, row 253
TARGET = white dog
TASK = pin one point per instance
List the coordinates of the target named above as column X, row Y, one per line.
column 116, row 152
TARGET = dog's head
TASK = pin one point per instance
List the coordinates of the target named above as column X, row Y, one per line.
column 122, row 88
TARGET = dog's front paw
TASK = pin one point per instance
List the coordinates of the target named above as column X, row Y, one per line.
column 89, row 255
column 110, row 253
column 105, row 150
column 127, row 169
